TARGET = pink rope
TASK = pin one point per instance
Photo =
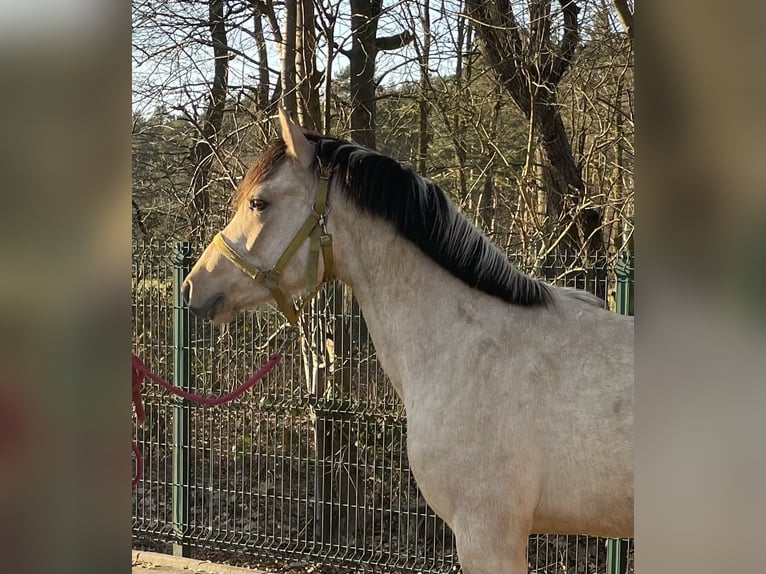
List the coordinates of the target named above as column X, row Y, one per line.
column 141, row 372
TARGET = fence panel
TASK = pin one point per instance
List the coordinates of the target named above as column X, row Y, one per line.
column 312, row 463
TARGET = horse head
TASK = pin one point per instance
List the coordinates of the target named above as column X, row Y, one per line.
column 270, row 247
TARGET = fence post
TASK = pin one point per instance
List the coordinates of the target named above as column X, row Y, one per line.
column 181, row 408
column 617, row 548
column 624, row 272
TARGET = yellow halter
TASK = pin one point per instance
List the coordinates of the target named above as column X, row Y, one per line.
column 314, row 229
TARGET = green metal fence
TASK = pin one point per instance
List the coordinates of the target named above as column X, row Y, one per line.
column 311, row 465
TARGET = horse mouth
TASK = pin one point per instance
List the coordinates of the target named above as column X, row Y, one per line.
column 220, row 314
column 222, row 318
column 210, row 309
column 215, row 312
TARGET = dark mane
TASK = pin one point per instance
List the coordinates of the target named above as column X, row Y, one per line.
column 418, row 209
column 421, row 211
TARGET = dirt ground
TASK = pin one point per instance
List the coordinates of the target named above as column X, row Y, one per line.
column 155, row 563
column 141, row 569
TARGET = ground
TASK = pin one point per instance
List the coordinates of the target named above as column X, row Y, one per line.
column 155, row 563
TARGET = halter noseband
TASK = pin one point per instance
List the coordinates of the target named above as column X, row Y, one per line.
column 313, row 228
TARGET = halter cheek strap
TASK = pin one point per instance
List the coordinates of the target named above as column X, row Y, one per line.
column 315, row 230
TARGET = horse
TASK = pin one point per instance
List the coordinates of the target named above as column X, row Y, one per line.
column 518, row 394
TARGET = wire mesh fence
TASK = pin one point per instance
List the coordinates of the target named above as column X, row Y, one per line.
column 310, row 465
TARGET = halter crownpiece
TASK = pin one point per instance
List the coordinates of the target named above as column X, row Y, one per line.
column 314, row 228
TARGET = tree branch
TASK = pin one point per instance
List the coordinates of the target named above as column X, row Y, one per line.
column 266, row 8
column 394, row 42
column 340, row 50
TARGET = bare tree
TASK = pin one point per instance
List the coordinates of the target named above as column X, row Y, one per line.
column 550, row 166
column 202, row 153
column 530, row 62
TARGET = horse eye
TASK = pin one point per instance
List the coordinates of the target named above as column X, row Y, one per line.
column 258, row 204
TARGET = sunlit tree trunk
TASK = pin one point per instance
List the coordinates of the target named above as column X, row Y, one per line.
column 424, row 51
column 203, row 152
column 289, row 97
column 306, row 75
column 262, row 92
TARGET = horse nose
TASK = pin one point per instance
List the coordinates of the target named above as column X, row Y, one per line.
column 186, row 292
column 206, row 310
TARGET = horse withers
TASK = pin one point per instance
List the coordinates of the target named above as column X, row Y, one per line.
column 519, row 395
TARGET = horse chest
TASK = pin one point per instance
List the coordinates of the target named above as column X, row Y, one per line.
column 442, row 451
column 435, row 469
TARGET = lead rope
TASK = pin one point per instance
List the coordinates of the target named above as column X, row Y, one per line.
column 141, row 372
column 314, row 229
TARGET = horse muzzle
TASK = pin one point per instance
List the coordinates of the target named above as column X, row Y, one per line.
column 207, row 309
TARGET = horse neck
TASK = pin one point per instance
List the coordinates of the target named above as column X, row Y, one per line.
column 409, row 302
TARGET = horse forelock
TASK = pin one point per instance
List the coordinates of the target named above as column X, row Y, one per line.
column 264, row 165
column 421, row 211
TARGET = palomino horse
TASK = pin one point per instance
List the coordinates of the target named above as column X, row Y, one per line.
column 519, row 395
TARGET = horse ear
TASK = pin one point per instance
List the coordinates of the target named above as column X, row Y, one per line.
column 298, row 147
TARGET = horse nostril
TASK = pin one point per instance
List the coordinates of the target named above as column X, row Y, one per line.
column 186, row 292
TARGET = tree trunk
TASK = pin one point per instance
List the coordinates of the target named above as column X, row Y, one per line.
column 530, row 64
column 307, row 76
column 262, row 93
column 423, row 57
column 330, row 36
column 202, row 154
column 626, row 16
column 289, row 98
column 364, row 27
column 563, row 180
column 364, row 48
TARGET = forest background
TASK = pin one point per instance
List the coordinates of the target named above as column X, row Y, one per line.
column 521, row 110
